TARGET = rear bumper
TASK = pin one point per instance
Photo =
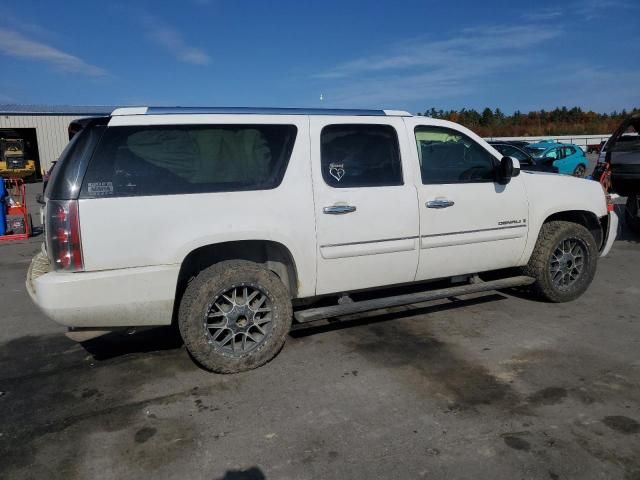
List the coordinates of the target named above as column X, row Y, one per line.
column 610, row 232
column 115, row 298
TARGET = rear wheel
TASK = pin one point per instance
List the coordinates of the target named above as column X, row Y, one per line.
column 632, row 213
column 579, row 171
column 235, row 316
column 563, row 261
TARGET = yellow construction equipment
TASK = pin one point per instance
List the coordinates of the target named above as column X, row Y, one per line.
column 14, row 160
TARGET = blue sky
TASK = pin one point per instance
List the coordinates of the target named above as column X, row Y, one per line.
column 409, row 55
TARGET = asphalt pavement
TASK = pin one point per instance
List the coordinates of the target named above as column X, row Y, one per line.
column 489, row 386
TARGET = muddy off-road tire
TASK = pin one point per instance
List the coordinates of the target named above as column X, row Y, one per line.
column 563, row 262
column 235, row 316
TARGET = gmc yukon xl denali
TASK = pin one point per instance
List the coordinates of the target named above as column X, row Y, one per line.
column 231, row 222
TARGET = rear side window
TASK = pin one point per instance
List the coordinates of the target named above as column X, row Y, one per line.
column 176, row 159
column 360, row 156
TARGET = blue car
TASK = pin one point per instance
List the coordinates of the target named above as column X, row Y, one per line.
column 569, row 159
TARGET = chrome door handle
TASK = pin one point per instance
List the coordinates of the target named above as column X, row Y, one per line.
column 338, row 209
column 440, row 203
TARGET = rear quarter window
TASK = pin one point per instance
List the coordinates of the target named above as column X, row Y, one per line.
column 178, row 159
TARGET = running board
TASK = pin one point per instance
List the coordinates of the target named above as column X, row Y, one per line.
column 313, row 314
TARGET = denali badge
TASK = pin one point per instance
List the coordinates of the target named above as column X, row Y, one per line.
column 512, row 222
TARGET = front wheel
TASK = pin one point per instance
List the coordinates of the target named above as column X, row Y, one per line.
column 563, row 261
column 579, row 171
column 235, row 316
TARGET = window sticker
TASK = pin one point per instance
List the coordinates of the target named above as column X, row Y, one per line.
column 100, row 188
column 336, row 170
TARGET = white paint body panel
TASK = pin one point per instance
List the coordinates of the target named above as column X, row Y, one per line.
column 376, row 244
column 155, row 230
column 551, row 194
column 133, row 247
column 113, row 298
column 469, row 236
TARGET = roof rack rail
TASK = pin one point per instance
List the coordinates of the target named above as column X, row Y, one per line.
column 254, row 111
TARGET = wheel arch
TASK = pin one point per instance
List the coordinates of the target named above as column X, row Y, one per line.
column 587, row 219
column 273, row 255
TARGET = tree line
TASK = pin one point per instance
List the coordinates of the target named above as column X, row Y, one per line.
column 560, row 121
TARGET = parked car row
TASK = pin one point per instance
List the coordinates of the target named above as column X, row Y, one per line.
column 546, row 156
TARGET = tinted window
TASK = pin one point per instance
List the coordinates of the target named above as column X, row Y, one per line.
column 448, row 156
column 72, row 163
column 173, row 159
column 514, row 152
column 360, row 156
column 520, row 156
column 629, row 141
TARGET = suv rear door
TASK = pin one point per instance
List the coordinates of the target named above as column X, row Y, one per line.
column 365, row 203
column 468, row 222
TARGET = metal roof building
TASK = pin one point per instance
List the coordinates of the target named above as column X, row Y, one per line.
column 45, row 127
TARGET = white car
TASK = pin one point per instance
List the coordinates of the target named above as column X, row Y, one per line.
column 225, row 219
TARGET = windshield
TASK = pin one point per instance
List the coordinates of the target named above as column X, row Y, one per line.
column 535, row 152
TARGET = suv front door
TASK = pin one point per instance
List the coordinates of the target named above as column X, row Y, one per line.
column 468, row 222
column 365, row 203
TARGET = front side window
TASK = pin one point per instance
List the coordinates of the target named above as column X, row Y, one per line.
column 175, row 159
column 449, row 156
column 360, row 156
column 552, row 154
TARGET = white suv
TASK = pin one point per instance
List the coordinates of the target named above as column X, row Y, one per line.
column 224, row 219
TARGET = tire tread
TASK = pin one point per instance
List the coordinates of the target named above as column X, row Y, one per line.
column 193, row 336
column 537, row 265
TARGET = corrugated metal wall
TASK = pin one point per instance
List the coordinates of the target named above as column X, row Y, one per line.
column 51, row 133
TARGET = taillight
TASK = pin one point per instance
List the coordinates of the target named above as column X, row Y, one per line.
column 63, row 235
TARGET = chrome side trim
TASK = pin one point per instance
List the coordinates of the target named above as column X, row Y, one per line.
column 474, row 231
column 370, row 248
column 364, row 242
column 473, row 236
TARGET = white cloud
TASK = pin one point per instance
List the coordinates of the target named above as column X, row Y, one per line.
column 17, row 45
column 470, row 43
column 543, row 14
column 172, row 41
column 593, row 9
column 419, row 69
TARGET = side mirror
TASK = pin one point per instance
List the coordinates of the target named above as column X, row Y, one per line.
column 505, row 170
